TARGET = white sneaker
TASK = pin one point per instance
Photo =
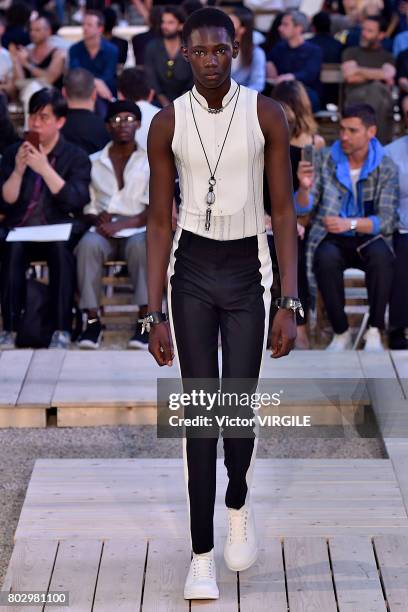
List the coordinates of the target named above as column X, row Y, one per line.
column 241, row 546
column 201, row 578
column 372, row 339
column 340, row 342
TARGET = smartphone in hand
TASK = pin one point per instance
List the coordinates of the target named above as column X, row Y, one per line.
column 33, row 138
column 308, row 154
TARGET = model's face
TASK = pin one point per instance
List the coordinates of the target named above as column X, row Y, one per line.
column 354, row 135
column 46, row 124
column 210, row 52
column 39, row 31
column 170, row 26
column 122, row 127
column 370, row 34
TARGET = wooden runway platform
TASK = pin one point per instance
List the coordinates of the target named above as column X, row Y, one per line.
column 333, row 533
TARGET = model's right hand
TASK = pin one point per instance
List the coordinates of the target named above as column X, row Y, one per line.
column 160, row 344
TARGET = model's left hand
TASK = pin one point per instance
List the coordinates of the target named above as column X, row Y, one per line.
column 283, row 333
column 36, row 159
column 336, row 225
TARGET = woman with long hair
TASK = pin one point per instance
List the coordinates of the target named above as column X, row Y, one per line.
column 293, row 97
column 249, row 68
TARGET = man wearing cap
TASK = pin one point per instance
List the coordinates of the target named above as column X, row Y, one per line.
column 117, row 212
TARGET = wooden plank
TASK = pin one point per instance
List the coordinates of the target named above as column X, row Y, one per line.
column 76, row 571
column 226, row 580
column 94, row 416
column 41, row 378
column 308, row 575
column 30, row 568
column 22, row 417
column 112, row 497
column 355, row 575
column 262, row 586
column 400, row 360
column 121, row 574
column 166, row 570
column 392, row 555
column 14, row 366
column 398, row 453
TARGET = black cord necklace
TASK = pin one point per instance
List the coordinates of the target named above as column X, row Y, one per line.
column 210, row 198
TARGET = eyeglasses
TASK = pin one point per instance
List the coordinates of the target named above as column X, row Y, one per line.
column 117, row 120
column 170, row 68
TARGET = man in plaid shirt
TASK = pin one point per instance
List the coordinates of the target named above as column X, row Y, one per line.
column 352, row 194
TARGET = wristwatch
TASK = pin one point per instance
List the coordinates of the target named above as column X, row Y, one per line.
column 353, row 225
column 290, row 303
column 152, row 318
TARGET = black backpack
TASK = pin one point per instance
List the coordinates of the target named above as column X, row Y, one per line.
column 35, row 327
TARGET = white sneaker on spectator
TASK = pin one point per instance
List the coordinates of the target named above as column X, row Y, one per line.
column 373, row 341
column 201, row 582
column 241, row 546
column 7, row 340
column 340, row 342
column 60, row 340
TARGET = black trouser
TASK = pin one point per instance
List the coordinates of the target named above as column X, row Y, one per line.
column 399, row 290
column 61, row 265
column 337, row 253
column 218, row 286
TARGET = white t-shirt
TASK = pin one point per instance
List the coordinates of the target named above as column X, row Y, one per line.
column 148, row 112
column 355, row 175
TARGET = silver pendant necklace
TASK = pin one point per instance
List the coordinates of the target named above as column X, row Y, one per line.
column 215, row 111
column 210, row 198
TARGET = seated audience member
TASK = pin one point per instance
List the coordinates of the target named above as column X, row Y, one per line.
column 119, row 187
column 295, row 58
column 140, row 41
column 42, row 187
column 38, row 65
column 369, row 73
column 292, row 95
column 96, row 55
column 6, row 65
column 353, row 203
column 167, row 72
column 331, row 48
column 83, row 126
column 398, row 313
column 132, row 86
column 121, row 44
column 249, row 68
column 17, row 20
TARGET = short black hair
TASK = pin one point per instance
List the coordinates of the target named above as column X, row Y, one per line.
column 176, row 11
column 322, row 22
column 208, row 18
column 382, row 22
column 132, row 84
column 365, row 112
column 111, row 19
column 98, row 14
column 48, row 96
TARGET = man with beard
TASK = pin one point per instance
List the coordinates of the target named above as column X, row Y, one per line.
column 369, row 73
column 167, row 72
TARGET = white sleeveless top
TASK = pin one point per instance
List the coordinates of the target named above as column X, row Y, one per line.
column 238, row 210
